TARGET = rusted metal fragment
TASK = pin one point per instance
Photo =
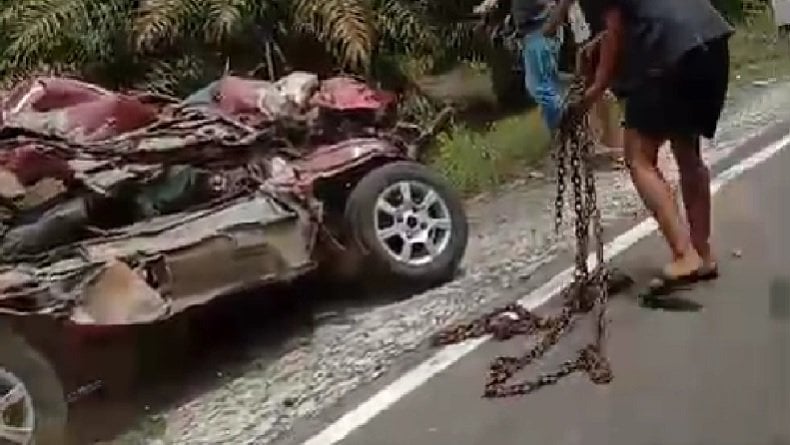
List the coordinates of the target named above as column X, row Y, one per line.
column 179, row 187
column 82, row 166
column 59, row 225
column 347, row 94
column 31, row 163
column 26, row 290
column 185, row 260
column 249, row 97
column 238, row 259
column 73, row 110
column 43, row 191
column 10, row 187
column 119, row 296
column 330, row 160
column 175, row 231
column 46, row 93
column 298, row 87
column 14, row 279
column 104, row 179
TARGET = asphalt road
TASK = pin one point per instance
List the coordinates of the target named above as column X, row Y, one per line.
column 713, row 370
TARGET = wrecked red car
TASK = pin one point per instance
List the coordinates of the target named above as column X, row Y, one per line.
column 128, row 208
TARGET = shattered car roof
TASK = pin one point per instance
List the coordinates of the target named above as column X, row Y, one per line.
column 126, row 207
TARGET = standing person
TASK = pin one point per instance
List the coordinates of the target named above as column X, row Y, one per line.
column 670, row 60
column 538, row 24
column 604, row 119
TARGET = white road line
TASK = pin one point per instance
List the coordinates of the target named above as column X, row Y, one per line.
column 448, row 355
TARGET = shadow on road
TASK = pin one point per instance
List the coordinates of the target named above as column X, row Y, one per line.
column 670, row 303
column 152, row 368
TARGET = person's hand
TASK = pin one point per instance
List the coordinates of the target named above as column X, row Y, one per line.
column 588, row 53
column 587, row 59
column 592, row 95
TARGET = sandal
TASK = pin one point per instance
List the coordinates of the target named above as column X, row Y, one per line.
column 708, row 272
column 663, row 285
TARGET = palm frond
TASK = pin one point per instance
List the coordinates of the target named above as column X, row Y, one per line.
column 164, row 43
column 35, row 29
column 225, row 18
column 176, row 77
column 103, row 36
column 405, row 26
column 9, row 13
column 39, row 69
column 347, row 28
column 163, row 21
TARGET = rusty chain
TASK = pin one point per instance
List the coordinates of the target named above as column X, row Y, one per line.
column 572, row 150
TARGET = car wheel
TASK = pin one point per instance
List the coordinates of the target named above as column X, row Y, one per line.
column 32, row 404
column 409, row 222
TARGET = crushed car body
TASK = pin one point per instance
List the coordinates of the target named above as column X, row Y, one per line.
column 126, row 208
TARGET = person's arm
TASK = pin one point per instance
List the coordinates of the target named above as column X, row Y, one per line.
column 557, row 17
column 587, row 57
column 609, row 53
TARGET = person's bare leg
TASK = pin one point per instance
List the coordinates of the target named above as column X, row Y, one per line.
column 695, row 187
column 641, row 154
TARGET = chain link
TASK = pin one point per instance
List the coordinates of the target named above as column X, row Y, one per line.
column 572, row 150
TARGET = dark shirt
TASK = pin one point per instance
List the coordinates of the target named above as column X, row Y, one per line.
column 593, row 13
column 657, row 33
column 529, row 15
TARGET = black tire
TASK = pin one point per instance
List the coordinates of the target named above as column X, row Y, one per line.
column 42, row 383
column 360, row 218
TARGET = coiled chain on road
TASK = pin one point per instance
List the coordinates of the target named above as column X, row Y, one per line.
column 573, row 148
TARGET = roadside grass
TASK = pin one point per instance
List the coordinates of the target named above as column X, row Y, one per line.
column 758, row 52
column 486, row 146
column 477, row 160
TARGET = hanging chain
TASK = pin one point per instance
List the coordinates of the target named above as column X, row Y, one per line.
column 572, row 150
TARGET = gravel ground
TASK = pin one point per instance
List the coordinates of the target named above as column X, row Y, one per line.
column 261, row 400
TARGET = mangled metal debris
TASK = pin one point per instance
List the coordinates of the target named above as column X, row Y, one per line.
column 126, row 208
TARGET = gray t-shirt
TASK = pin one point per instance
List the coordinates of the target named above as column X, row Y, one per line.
column 659, row 32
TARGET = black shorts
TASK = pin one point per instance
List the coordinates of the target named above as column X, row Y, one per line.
column 685, row 101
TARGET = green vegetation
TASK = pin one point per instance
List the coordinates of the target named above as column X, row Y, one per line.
column 475, row 160
column 172, row 45
column 732, row 9
column 758, row 52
